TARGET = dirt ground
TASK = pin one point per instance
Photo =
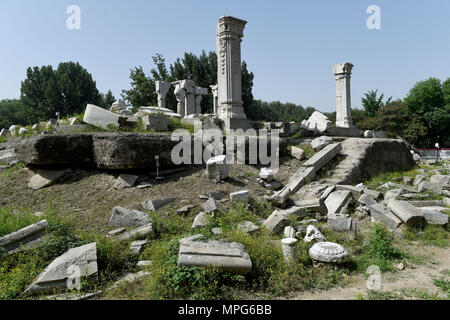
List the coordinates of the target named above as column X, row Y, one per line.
column 410, row 283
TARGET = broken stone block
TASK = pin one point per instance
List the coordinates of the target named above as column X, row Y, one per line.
column 373, row 194
column 23, row 236
column 7, row 156
column 266, row 174
column 313, row 205
column 216, row 231
column 337, row 200
column 435, row 217
column 313, row 234
column 137, row 247
column 116, row 232
column 443, row 180
column 366, row 200
column 140, row 232
column 62, row 272
column 342, row 224
column 99, row 117
column 227, row 256
column 446, row 202
column 211, row 205
column 324, row 156
column 22, row 131
column 289, row 232
column 274, row 185
column 45, row 178
column 242, row 196
column 407, row 180
column 4, row 132
column 143, row 264
column 297, row 153
column 156, row 123
column 410, row 215
column 356, row 191
column 300, row 178
column 433, row 187
column 125, row 181
column 217, row 168
column 392, row 194
column 280, row 219
column 327, row 192
column 122, row 217
column 248, row 227
column 290, row 249
column 317, row 122
column 328, row 252
column 186, row 209
column 156, row 204
column 418, row 179
column 426, row 203
column 201, row 220
column 321, row 142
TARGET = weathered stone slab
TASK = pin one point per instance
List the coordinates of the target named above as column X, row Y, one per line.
column 380, row 213
column 300, row 178
column 328, row 252
column 140, row 232
column 366, row 200
column 266, row 174
column 443, row 180
column 337, row 200
column 45, row 178
column 122, row 217
column 327, row 192
column 201, row 220
column 324, row 156
column 418, row 179
column 313, row 205
column 248, row 227
column 372, row 193
column 23, row 236
column 227, row 256
column 102, row 118
column 342, row 224
column 435, row 217
column 356, row 191
column 156, row 123
column 297, row 153
column 125, row 181
column 137, row 247
column 279, row 219
column 433, row 187
column 211, row 205
column 217, row 168
column 392, row 194
column 289, row 232
column 321, row 142
column 8, row 155
column 409, row 214
column 317, row 122
column 242, row 196
column 58, row 275
column 156, row 204
column 426, row 203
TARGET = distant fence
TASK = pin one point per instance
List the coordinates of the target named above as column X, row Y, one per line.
column 443, row 153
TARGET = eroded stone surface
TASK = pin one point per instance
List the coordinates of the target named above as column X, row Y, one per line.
column 328, row 252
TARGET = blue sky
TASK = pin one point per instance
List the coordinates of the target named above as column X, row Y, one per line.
column 290, row 45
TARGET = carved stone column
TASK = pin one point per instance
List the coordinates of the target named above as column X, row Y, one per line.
column 162, row 88
column 230, row 31
column 215, row 92
column 343, row 73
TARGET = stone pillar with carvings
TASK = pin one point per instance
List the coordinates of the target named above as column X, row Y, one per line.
column 215, row 93
column 180, row 94
column 199, row 93
column 162, row 88
column 230, row 32
column 343, row 73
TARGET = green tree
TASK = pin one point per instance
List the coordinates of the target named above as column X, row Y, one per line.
column 142, row 92
column 429, row 101
column 12, row 111
column 372, row 103
column 68, row 90
column 107, row 100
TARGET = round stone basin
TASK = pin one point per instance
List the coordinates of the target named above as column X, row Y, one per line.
column 328, row 252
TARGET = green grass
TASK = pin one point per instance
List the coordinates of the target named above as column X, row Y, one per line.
column 433, row 235
column 11, row 220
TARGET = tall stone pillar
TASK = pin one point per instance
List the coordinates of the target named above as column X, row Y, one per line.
column 215, row 93
column 343, row 73
column 189, row 86
column 180, row 94
column 162, row 88
column 230, row 31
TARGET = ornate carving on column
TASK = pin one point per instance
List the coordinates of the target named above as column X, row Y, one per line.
column 230, row 31
column 215, row 92
column 180, row 94
column 343, row 73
